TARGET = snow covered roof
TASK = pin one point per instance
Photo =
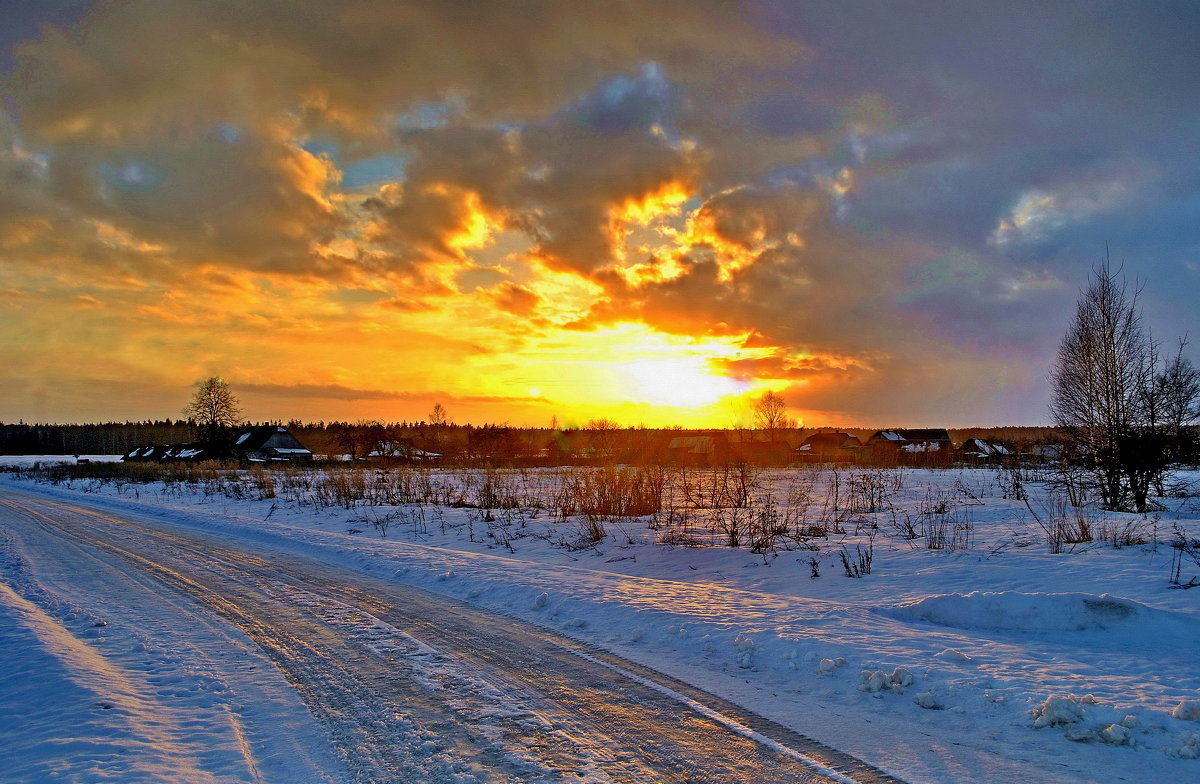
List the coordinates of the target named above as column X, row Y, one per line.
column 253, row 441
column 912, row 434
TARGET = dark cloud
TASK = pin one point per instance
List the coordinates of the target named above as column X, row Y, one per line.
column 886, row 196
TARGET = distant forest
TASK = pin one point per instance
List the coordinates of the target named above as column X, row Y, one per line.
column 360, row 438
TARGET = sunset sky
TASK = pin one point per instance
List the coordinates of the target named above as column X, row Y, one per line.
column 651, row 212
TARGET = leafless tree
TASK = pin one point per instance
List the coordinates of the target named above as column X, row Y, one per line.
column 1114, row 396
column 604, row 437
column 214, row 408
column 1180, row 385
column 770, row 412
column 438, row 416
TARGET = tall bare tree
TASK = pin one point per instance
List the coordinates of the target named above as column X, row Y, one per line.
column 214, row 408
column 770, row 412
column 1180, row 385
column 1111, row 393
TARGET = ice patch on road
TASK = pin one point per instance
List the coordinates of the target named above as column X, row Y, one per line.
column 731, row 723
column 497, row 713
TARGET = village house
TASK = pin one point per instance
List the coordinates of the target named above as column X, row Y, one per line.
column 265, row 443
column 912, row 446
column 255, row 444
column 827, row 447
column 982, row 451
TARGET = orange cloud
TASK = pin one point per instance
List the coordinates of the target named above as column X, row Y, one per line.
column 516, row 299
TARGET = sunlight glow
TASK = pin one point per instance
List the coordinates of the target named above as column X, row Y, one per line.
column 682, row 382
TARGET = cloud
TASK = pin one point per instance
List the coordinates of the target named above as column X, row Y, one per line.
column 327, row 391
column 1042, row 211
column 516, row 299
column 344, row 65
column 874, row 203
column 344, row 393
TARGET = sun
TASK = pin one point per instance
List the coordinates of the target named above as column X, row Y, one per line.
column 681, row 382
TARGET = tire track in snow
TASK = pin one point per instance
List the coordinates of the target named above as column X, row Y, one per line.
column 616, row 727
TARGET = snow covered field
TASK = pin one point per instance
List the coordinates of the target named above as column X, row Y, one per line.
column 965, row 650
column 29, row 461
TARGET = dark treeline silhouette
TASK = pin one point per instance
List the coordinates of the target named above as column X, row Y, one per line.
column 596, row 442
column 105, row 438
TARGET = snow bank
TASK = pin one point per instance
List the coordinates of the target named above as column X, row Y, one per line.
column 1036, row 612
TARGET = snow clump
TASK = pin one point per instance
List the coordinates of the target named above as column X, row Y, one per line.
column 1116, row 735
column 830, row 666
column 1060, row 711
column 875, row 682
column 928, row 701
column 744, row 646
column 1079, row 733
column 1187, row 710
column 952, row 655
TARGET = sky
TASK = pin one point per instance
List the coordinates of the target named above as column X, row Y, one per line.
column 538, row 211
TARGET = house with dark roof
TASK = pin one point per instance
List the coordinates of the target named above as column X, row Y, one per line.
column 913, row 439
column 913, row 445
column 982, row 451
column 829, row 446
column 256, row 444
column 270, row 443
column 698, row 449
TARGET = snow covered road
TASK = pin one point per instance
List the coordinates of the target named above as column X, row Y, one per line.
column 186, row 658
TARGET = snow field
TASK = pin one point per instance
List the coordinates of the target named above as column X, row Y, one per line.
column 102, row 684
column 998, row 651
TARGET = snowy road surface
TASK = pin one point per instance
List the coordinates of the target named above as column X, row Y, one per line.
column 184, row 658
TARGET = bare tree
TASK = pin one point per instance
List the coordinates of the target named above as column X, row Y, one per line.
column 1114, row 397
column 770, row 412
column 214, row 408
column 1180, row 385
column 438, row 416
column 604, row 437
